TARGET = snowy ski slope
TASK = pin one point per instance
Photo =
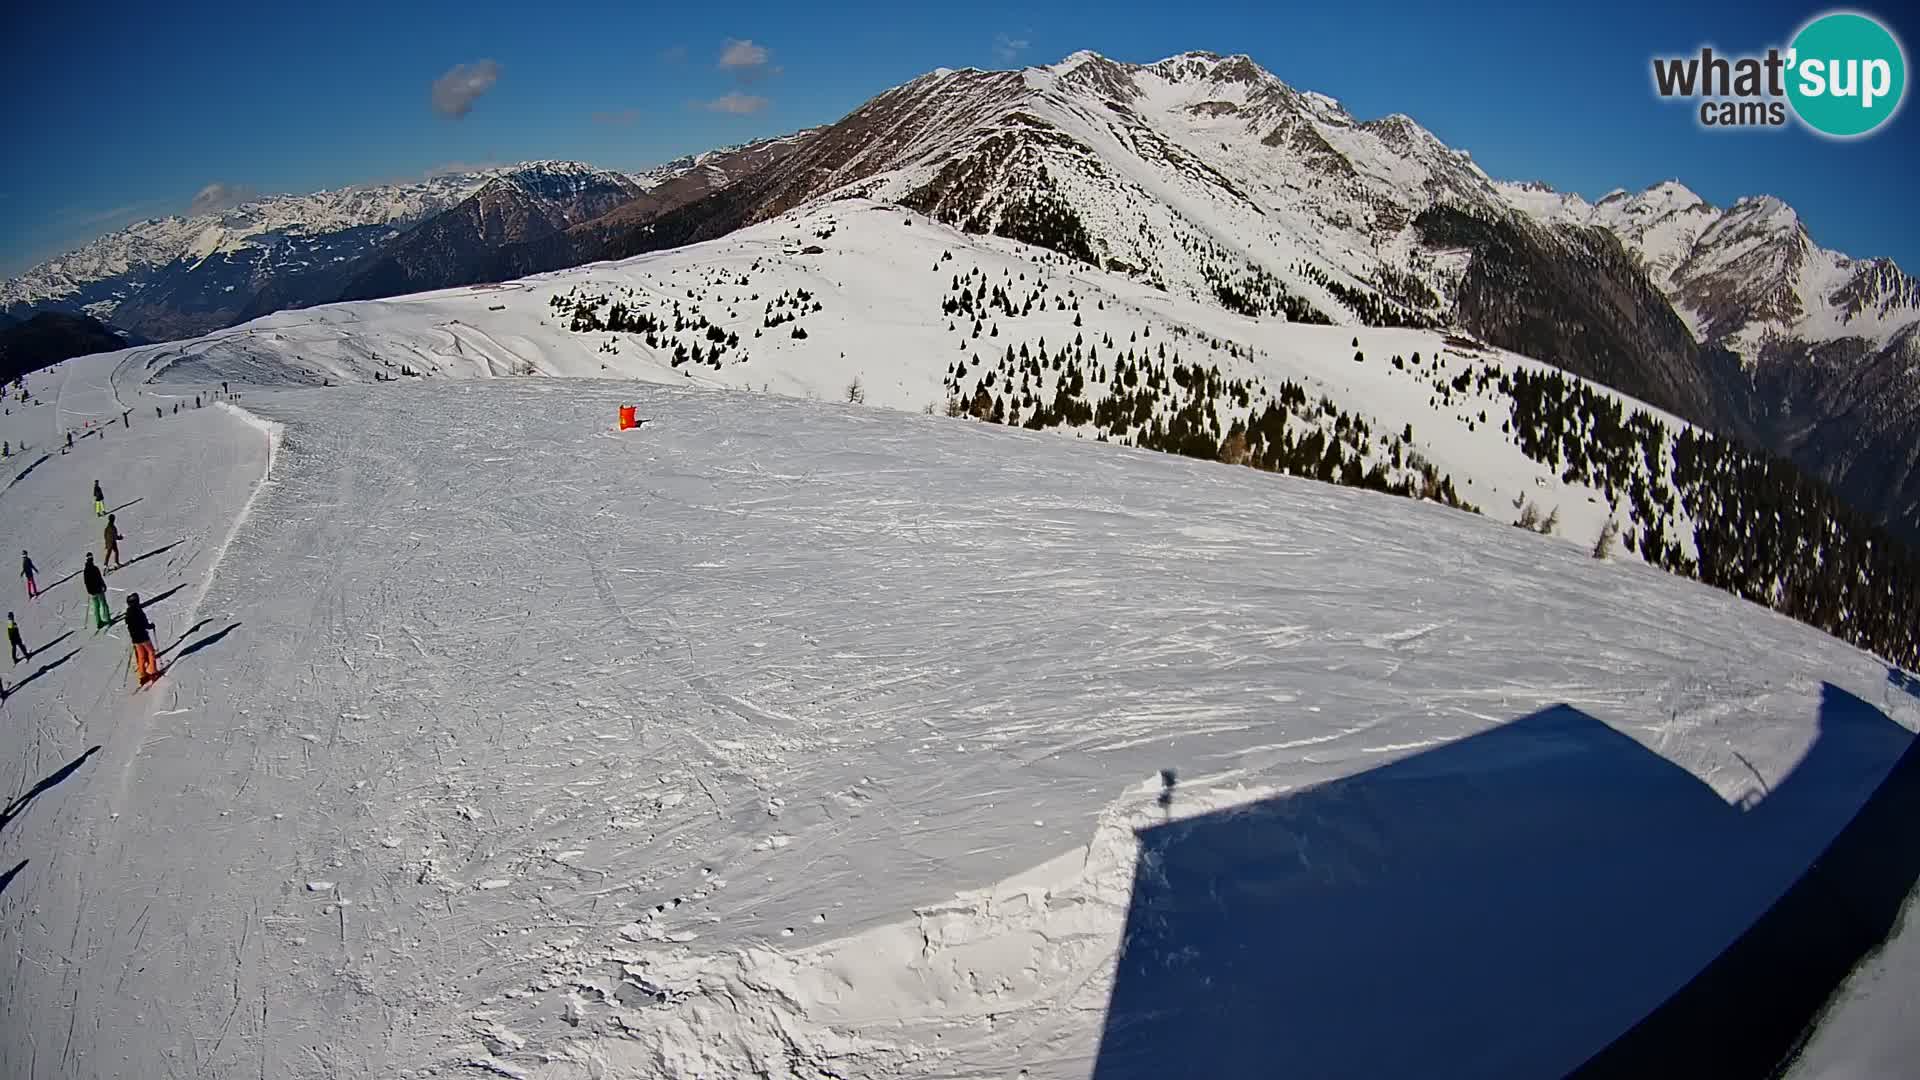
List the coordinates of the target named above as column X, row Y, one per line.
column 793, row 738
column 880, row 275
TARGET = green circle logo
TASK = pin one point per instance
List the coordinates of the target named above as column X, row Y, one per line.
column 1847, row 75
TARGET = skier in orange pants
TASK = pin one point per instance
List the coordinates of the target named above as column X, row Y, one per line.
column 140, row 632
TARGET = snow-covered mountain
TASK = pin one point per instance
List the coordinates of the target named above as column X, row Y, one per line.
column 461, row 245
column 1210, row 179
column 1182, row 172
column 725, row 164
column 275, row 231
column 176, row 276
column 1829, row 346
column 849, row 297
column 1744, row 274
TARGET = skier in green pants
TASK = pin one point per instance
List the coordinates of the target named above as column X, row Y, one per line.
column 99, row 501
column 97, row 594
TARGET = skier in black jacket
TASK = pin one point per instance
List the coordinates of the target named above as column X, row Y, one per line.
column 140, row 632
column 99, row 501
column 96, row 594
column 20, row 650
column 26, row 571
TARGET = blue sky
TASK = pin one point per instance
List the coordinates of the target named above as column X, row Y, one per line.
column 122, row 111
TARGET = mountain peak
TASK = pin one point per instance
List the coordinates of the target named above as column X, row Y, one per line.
column 1672, row 195
column 1075, row 59
column 1211, row 67
column 1765, row 206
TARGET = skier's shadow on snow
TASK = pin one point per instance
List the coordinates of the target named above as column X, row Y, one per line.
column 149, row 602
column 48, row 646
column 41, row 670
column 6, row 879
column 190, row 631
column 205, row 642
column 18, row 806
column 22, row 474
column 156, row 600
column 149, row 555
column 1543, row 899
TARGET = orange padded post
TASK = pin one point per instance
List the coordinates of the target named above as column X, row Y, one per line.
column 626, row 417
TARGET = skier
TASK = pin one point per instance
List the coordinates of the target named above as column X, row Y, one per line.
column 20, row 650
column 96, row 595
column 223, row 386
column 140, row 632
column 113, row 538
column 196, row 401
column 26, row 571
column 126, row 418
column 156, row 413
column 69, row 440
column 99, row 501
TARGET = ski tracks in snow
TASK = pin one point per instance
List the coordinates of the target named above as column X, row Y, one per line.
column 785, row 736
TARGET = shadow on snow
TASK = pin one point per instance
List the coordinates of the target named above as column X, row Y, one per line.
column 149, row 603
column 22, row 474
column 143, row 558
column 190, row 631
column 48, row 646
column 42, row 670
column 209, row 640
column 1545, row 898
column 19, row 805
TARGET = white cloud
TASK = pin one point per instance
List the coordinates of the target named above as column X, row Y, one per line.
column 218, row 196
column 1008, row 48
column 455, row 92
column 735, row 102
column 742, row 56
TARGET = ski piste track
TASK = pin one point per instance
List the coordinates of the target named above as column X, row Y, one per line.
column 791, row 739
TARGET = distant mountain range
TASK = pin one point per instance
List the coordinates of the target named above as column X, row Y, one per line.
column 176, row 277
column 1203, row 175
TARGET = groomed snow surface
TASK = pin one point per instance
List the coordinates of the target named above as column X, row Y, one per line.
column 791, row 739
